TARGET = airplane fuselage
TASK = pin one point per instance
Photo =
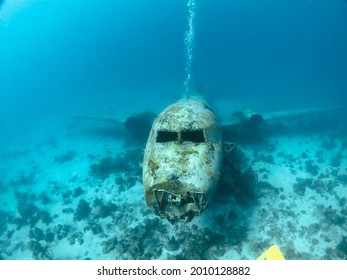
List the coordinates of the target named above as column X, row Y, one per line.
column 182, row 160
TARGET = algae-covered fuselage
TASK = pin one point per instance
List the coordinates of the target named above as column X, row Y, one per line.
column 183, row 160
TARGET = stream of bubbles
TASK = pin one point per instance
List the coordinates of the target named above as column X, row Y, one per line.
column 189, row 44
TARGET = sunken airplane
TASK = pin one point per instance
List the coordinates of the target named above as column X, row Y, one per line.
column 183, row 160
column 184, row 152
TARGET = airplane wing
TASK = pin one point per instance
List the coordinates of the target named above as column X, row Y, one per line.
column 138, row 124
column 253, row 118
column 104, row 119
column 141, row 122
column 277, row 115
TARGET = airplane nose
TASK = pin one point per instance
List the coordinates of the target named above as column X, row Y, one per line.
column 174, row 203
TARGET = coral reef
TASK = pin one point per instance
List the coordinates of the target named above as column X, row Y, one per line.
column 238, row 178
column 342, row 178
column 264, row 188
column 301, row 184
column 332, row 217
column 144, row 241
column 45, row 198
column 311, row 168
column 335, row 160
column 128, row 162
column 39, row 243
column 328, row 143
column 342, row 249
column 102, row 210
column 199, row 244
column 62, row 231
column 68, row 156
column 83, row 210
column 25, row 179
column 39, row 251
column 29, row 214
column 109, row 245
column 338, row 253
column 104, row 168
column 266, row 158
column 4, row 219
column 77, row 192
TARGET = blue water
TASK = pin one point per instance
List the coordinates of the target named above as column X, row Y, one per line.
column 59, row 53
column 273, row 51
column 117, row 57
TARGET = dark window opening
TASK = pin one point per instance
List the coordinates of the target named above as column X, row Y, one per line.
column 195, row 136
column 166, row 136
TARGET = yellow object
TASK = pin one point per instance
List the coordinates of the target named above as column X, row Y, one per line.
column 273, row 253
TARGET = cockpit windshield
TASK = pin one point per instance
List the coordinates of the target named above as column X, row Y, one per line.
column 195, row 136
column 164, row 136
column 192, row 136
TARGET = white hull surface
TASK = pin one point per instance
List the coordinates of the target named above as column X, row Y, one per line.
column 182, row 160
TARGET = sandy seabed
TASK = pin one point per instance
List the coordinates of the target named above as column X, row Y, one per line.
column 72, row 190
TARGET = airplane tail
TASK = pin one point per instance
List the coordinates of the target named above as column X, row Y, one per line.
column 197, row 93
column 185, row 95
column 194, row 95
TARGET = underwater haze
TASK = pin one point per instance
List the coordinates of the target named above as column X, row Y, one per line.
column 67, row 55
column 70, row 183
